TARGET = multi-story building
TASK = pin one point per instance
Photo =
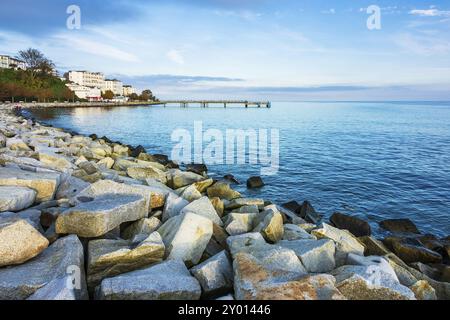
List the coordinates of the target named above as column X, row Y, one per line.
column 128, row 90
column 87, row 79
column 114, row 85
column 83, row 92
column 7, row 62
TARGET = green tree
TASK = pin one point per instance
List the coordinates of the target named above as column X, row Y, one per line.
column 134, row 97
column 108, row 95
column 146, row 95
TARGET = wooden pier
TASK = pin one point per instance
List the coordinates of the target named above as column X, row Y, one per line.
column 225, row 103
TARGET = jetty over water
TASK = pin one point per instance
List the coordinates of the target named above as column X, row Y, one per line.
column 225, row 103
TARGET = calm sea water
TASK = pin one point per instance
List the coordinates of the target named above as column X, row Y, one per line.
column 371, row 160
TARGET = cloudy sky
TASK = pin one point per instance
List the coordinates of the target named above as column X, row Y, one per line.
column 274, row 49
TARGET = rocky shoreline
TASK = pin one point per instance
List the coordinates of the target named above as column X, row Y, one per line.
column 88, row 218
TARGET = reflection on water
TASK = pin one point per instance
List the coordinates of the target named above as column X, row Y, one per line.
column 373, row 160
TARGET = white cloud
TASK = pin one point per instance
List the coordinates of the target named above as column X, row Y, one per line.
column 244, row 14
column 175, row 56
column 95, row 47
column 432, row 12
column 329, row 11
column 427, row 44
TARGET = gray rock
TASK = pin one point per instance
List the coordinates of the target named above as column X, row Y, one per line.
column 154, row 198
column 95, row 218
column 345, row 242
column 108, row 258
column 191, row 193
column 203, row 207
column 240, row 202
column 56, row 289
column 381, row 262
column 254, row 280
column 44, row 183
column 173, row 206
column 270, row 224
column 59, row 260
column 240, row 242
column 178, row 179
column 14, row 198
column 186, row 237
column 370, row 283
column 144, row 226
column 294, row 232
column 222, row 190
column 316, row 255
column 239, row 223
column 70, row 187
column 169, row 280
column 215, row 275
column 32, row 216
column 247, row 209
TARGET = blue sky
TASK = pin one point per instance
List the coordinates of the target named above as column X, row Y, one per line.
column 279, row 49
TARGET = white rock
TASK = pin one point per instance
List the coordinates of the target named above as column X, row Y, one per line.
column 345, row 242
column 186, row 237
column 203, row 207
column 173, row 206
column 169, row 280
column 14, row 198
column 215, row 275
column 316, row 255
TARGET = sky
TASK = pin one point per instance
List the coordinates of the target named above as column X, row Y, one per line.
column 280, row 50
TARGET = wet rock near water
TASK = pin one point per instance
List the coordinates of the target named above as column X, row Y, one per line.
column 147, row 230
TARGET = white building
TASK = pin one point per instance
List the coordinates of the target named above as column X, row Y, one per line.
column 87, row 79
column 128, row 90
column 7, row 62
column 115, row 86
column 83, row 92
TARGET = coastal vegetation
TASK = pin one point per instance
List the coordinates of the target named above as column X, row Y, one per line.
column 39, row 82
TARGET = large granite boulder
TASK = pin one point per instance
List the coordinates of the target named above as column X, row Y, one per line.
column 14, row 198
column 63, row 258
column 370, row 283
column 57, row 289
column 255, row 280
column 154, row 197
column 238, row 243
column 415, row 253
column 215, row 275
column 19, row 241
column 294, row 232
column 95, row 218
column 173, row 206
column 143, row 173
column 44, row 183
column 169, row 280
column 222, row 190
column 70, row 187
column 108, row 258
column 316, row 255
column 240, row 202
column 356, row 226
column 399, row 225
column 270, row 224
column 178, row 179
column 239, row 223
column 144, row 226
column 186, row 237
column 345, row 242
column 203, row 207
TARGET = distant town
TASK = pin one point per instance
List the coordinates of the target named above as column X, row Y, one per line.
column 80, row 85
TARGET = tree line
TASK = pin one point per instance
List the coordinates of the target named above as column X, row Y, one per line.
column 40, row 82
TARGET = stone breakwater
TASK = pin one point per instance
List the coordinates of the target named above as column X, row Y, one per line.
column 88, row 218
